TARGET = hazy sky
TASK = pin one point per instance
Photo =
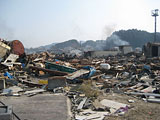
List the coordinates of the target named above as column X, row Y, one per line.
column 41, row 22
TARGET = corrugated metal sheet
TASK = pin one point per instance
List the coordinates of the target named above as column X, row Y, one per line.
column 3, row 49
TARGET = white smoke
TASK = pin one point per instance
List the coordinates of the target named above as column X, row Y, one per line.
column 108, row 30
column 116, row 40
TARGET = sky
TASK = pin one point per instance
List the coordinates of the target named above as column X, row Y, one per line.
column 42, row 22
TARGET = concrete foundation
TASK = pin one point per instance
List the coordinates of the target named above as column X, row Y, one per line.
column 6, row 113
column 55, row 82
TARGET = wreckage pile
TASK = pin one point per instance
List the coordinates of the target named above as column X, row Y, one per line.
column 87, row 82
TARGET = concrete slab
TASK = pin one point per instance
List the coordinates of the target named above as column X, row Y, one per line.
column 56, row 81
column 40, row 107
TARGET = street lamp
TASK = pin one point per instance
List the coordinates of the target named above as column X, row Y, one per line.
column 155, row 14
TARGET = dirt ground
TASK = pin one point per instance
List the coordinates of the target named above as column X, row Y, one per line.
column 140, row 110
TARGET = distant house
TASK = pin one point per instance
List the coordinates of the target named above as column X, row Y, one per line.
column 124, row 49
column 151, row 49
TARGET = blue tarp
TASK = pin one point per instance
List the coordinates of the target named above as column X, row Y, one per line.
column 8, row 74
column 91, row 69
column 147, row 69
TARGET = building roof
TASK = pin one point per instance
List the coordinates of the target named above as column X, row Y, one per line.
column 157, row 44
column 125, row 46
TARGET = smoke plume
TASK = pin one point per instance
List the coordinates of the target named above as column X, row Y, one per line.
column 114, row 41
column 108, row 30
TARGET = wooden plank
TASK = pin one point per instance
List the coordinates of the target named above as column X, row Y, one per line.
column 146, row 94
column 80, row 106
column 135, row 86
column 112, row 104
column 78, row 74
column 148, row 89
column 34, row 91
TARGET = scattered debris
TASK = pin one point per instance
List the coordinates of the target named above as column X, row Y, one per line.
column 88, row 82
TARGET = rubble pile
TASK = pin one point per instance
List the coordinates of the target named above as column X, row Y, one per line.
column 87, row 82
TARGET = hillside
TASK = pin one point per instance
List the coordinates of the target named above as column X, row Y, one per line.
column 136, row 38
column 70, row 43
column 133, row 37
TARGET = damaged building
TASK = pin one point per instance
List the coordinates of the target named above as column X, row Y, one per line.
column 151, row 49
column 125, row 49
column 98, row 54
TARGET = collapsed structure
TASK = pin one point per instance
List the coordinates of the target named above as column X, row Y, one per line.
column 123, row 49
column 15, row 47
column 152, row 49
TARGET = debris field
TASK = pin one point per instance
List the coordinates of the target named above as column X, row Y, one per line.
column 124, row 86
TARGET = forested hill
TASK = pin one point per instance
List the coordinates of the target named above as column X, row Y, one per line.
column 136, row 38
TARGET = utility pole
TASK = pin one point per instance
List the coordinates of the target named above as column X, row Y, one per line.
column 155, row 14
